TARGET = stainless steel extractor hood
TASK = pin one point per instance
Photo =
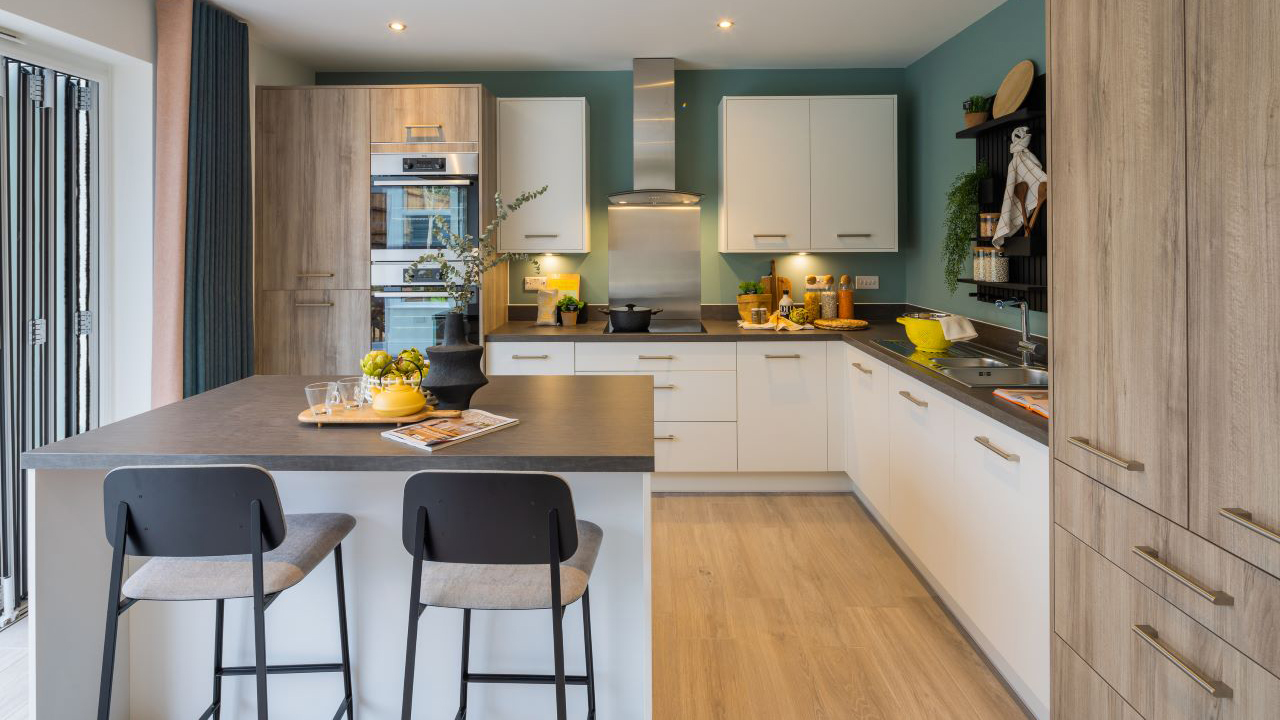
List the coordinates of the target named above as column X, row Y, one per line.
column 653, row 137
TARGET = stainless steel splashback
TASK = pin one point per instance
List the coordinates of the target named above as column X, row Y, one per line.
column 655, row 260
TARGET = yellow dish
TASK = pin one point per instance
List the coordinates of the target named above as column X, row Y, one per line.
column 924, row 331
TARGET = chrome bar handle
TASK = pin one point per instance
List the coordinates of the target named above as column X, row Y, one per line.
column 410, row 137
column 853, row 235
column 664, row 387
column 1243, row 517
column 314, row 304
column 541, row 236
column 792, row 356
column 1217, row 597
column 530, row 357
column 1216, row 688
column 860, row 367
column 914, row 399
column 314, row 275
column 664, row 437
column 1083, row 444
column 986, row 443
column 764, row 236
column 655, row 357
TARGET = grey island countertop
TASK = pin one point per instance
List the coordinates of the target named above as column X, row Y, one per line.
column 567, row 424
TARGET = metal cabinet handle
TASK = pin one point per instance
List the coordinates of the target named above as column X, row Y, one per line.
column 792, row 356
column 762, row 236
column 410, row 136
column 664, row 387
column 1217, row 597
column 1243, row 517
column 664, row 437
column 860, row 367
column 1216, row 688
column 986, row 443
column 655, row 357
column 316, row 304
column 853, row 235
column 1083, row 444
column 433, row 126
column 315, row 275
column 909, row 396
column 541, row 237
column 530, row 357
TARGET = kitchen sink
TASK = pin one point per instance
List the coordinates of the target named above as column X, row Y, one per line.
column 997, row 376
column 968, row 362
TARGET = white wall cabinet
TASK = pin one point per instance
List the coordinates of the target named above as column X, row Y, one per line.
column 782, row 406
column 544, row 141
column 809, row 173
column 867, row 428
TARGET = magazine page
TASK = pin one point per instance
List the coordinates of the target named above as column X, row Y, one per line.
column 439, row 432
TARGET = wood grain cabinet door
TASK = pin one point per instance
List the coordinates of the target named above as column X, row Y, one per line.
column 419, row 115
column 1233, row 142
column 311, row 332
column 312, row 194
column 1117, row 184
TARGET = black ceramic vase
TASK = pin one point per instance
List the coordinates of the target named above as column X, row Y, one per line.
column 455, row 375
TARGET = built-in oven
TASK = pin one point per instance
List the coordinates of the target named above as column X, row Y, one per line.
column 412, row 195
column 409, row 307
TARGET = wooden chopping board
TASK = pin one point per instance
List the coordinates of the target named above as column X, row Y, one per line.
column 1014, row 89
column 365, row 415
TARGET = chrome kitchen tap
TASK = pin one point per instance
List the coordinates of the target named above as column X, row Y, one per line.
column 1025, row 347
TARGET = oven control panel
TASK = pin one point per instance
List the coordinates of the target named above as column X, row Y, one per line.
column 423, row 164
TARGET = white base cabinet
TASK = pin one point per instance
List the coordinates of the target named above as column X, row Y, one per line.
column 782, row 406
column 866, row 428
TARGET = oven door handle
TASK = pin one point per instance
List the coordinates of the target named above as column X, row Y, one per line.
column 411, row 295
column 421, row 182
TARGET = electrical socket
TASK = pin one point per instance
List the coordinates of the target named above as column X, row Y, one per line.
column 866, row 282
column 535, row 283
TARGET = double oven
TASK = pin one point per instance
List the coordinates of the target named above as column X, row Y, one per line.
column 413, row 197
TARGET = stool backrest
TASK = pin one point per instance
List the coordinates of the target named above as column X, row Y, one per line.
column 489, row 518
column 185, row 511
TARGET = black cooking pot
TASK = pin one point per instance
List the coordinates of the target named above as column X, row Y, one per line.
column 630, row 318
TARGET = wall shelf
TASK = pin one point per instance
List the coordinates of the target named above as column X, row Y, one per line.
column 1023, row 115
column 1003, row 285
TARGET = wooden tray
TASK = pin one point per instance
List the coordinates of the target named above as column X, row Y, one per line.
column 364, row 415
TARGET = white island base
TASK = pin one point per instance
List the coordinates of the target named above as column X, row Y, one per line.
column 165, row 655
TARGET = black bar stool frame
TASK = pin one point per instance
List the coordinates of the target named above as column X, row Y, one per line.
column 208, row 532
column 494, row 518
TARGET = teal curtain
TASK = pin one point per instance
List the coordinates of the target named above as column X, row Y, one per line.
column 218, row 312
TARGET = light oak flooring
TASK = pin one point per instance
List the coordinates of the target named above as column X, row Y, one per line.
column 796, row 606
column 13, row 672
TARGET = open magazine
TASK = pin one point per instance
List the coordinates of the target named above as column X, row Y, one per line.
column 437, row 433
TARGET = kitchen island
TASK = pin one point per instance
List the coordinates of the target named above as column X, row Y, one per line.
column 595, row 431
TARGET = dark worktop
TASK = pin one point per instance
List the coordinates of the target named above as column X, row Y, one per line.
column 586, row 423
column 980, row 399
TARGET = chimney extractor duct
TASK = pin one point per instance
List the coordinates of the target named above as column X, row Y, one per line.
column 653, row 137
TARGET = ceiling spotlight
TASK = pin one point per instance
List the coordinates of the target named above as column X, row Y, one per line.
column 397, row 26
column 725, row 24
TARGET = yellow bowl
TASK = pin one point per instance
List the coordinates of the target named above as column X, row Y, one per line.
column 924, row 331
column 398, row 401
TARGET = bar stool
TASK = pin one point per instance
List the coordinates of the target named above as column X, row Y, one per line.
column 216, row 533
column 498, row 541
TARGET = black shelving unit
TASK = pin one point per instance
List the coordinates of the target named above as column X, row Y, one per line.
column 1028, row 256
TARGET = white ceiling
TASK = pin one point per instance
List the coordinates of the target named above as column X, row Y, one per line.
column 605, row 34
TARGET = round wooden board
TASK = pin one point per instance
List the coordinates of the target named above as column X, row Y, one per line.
column 1014, row 89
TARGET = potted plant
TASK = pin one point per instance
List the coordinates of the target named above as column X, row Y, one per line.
column 977, row 109
column 752, row 295
column 462, row 262
column 568, row 307
column 961, row 223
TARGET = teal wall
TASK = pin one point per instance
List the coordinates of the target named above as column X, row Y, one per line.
column 697, row 135
column 971, row 63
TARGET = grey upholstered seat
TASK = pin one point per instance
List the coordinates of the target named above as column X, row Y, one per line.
column 511, row 587
column 308, row 539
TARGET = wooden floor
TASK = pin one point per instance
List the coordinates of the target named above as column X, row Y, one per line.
column 796, row 606
column 13, row 672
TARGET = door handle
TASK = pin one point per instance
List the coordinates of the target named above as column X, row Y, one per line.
column 529, row 357
column 986, row 443
column 315, row 275
column 664, row 437
column 545, row 236
column 315, row 304
column 765, row 236
column 664, row 387
column 1244, row 518
column 792, row 356
column 1217, row 597
column 912, row 398
column 853, row 235
column 655, row 357
column 1083, row 444
column 1216, row 688
column 861, row 368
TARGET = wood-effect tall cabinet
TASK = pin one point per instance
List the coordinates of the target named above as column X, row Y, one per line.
column 1165, row 267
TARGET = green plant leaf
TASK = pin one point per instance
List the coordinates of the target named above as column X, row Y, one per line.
column 961, row 223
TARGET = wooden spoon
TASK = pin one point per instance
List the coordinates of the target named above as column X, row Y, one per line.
column 1042, row 197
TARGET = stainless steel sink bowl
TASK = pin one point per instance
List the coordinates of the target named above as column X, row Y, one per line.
column 967, row 362
column 997, row 376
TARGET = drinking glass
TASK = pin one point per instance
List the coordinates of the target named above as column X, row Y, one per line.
column 351, row 392
column 321, row 397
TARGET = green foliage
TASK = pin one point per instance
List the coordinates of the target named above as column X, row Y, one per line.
column 478, row 255
column 750, row 288
column 977, row 104
column 961, row 223
column 569, row 303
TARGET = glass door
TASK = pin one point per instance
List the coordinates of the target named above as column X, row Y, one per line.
column 48, row 284
column 405, row 212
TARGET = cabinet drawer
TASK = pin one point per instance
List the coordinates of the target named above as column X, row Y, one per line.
column 653, row 357
column 1078, row 692
column 530, row 358
column 692, row 396
column 695, row 447
column 1180, row 566
column 1162, row 662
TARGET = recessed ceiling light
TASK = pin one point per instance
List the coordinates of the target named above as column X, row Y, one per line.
column 397, row 26
column 725, row 24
